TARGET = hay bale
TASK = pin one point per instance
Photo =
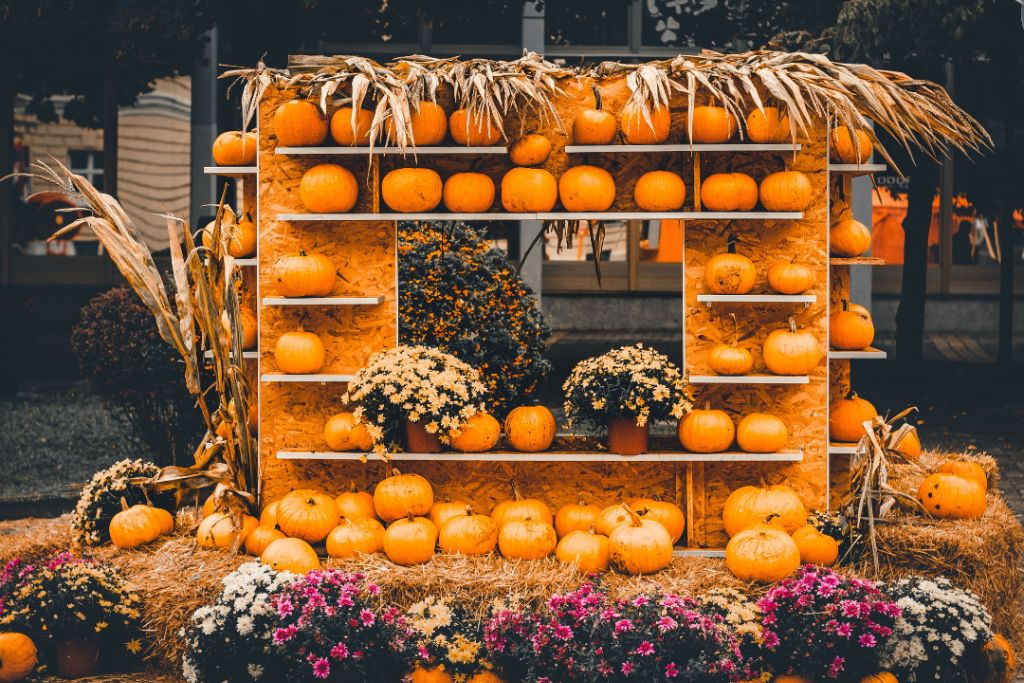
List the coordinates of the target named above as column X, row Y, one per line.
column 33, row 539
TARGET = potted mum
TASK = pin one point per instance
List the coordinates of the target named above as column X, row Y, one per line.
column 625, row 389
column 416, row 389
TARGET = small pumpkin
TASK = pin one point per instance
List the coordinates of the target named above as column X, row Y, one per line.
column 586, row 188
column 659, row 191
column 399, row 495
column 849, row 238
column 611, row 518
column 530, row 150
column 669, row 515
column 235, row 148
column 578, row 516
column 305, row 274
column 290, row 555
column 790, row 678
column 468, row 534
column 520, row 508
column 644, row 128
column 880, row 677
column 847, row 416
column 485, row 676
column 711, row 124
column 967, row 470
column 219, row 530
column 641, row 547
column 260, row 538
column 999, row 642
column 749, row 505
column 307, row 514
column 761, row 433
column 355, row 504
column 412, row 190
column 473, row 129
column 299, row 353
column 478, row 434
column 816, row 547
column 851, row 328
column 351, row 127
column 227, row 223
column 18, row 657
column 410, row 540
column 530, row 428
column 909, row 444
column 730, row 359
column 706, row 430
column 528, row 190
column 729, row 273
column 431, row 674
column 343, row 432
column 354, row 537
column 526, row 539
column 787, row 277
column 847, row 148
column 728, row 192
column 791, row 351
column 443, row 510
column 269, row 515
column 767, row 125
column 762, row 553
column 428, row 125
column 242, row 240
column 468, row 193
column 585, row 549
column 137, row 525
column 949, row 496
column 786, row 191
column 594, row 126
column 328, row 188
column 299, row 123
column 247, row 320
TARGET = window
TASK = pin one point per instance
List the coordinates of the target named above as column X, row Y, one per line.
column 88, row 164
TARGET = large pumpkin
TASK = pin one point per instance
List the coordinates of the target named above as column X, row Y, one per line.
column 410, row 540
column 474, row 129
column 729, row 273
column 578, row 516
column 530, row 428
column 260, row 538
column 849, row 149
column 527, row 539
column 351, row 127
column 307, row 514
column 290, row 555
column 851, row 328
column 18, row 657
column 762, row 553
column 761, row 433
column 659, row 191
column 468, row 534
column 399, row 495
column 219, row 530
column 586, row 188
column 299, row 353
column 412, row 190
column 328, row 188
column 767, row 126
column 528, row 190
column 594, row 126
column 355, row 504
column 433, row 674
column 428, row 121
column 468, row 193
column 669, row 515
column 880, row 677
column 478, row 434
column 137, row 525
column 728, row 192
column 967, row 470
column 706, row 430
column 305, row 274
column 269, row 515
column 343, row 432
column 786, row 191
column 711, row 124
column 816, row 547
column 849, row 238
column 299, row 123
column 787, row 277
column 355, row 537
column 949, row 496
column 235, row 148
column 847, row 416
column 530, row 150
column 641, row 547
column 749, row 505
column 791, row 351
column 585, row 549
column 644, row 128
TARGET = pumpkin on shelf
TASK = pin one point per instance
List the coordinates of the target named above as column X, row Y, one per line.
column 473, row 128
column 764, row 553
column 659, row 191
column 528, row 190
column 343, row 432
column 749, row 505
column 355, row 537
column 412, row 190
column 951, row 496
column 786, row 191
column 18, row 657
column 398, row 495
column 594, row 126
column 851, row 328
column 138, row 525
column 468, row 192
column 219, row 530
column 468, row 534
column 351, row 127
column 644, row 125
column 669, row 515
column 847, row 416
column 728, row 192
column 260, row 538
column 328, row 188
column 478, row 434
column 443, row 510
column 410, row 540
column 729, row 273
column 578, row 516
column 611, row 518
column 355, row 504
column 520, row 508
column 307, row 514
column 428, row 124
column 847, row 148
column 290, row 555
column 299, row 123
column 227, row 220
column 789, row 277
column 730, row 359
column 586, row 188
column 791, row 351
column 530, row 150
column 299, row 353
column 706, row 430
column 530, row 428
column 761, row 433
column 768, row 125
column 305, row 274
column 967, row 470
column 849, row 238
column 526, row 539
column 642, row 546
column 235, row 148
column 816, row 547
column 247, row 321
column 711, row 124
column 585, row 549
column 242, row 240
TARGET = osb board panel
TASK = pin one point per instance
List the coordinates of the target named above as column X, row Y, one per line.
column 801, row 407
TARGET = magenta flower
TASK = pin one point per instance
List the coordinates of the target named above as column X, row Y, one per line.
column 623, row 626
column 627, row 668
column 867, row 640
column 339, row 651
column 321, row 668
column 671, row 670
column 645, row 648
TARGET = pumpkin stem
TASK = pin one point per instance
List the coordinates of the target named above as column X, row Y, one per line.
column 846, row 304
column 731, row 243
column 409, row 516
column 597, row 97
column 469, row 510
column 769, row 518
column 707, row 404
column 633, row 517
column 351, row 486
column 515, row 490
column 124, row 503
column 792, row 324
column 735, row 330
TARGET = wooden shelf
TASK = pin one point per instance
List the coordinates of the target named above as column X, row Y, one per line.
column 247, row 355
column 869, row 353
column 749, row 379
column 233, row 171
column 246, row 262
column 331, row 150
column 839, row 448
column 552, row 215
column 683, row 147
column 281, row 377
column 512, row 456
column 323, row 301
column 757, row 298
column 432, row 216
column 713, row 553
column 855, row 261
column 857, row 169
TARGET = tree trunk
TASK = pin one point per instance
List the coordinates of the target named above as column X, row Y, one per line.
column 910, row 314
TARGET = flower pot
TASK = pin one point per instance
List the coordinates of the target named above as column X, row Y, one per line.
column 625, row 438
column 77, row 658
column 418, row 440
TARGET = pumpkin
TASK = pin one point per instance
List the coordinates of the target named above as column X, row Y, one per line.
column 711, row 124
column 410, row 540
column 585, row 549
column 305, row 274
column 307, row 514
column 729, row 273
column 791, row 351
column 611, row 518
column 299, row 123
column 242, row 241
column 261, row 537
column 434, row 674
column 299, row 353
column 762, row 553
column 137, row 525
column 235, row 148
column 354, row 537
column 468, row 193
column 761, row 433
column 477, row 434
column 949, row 496
column 445, row 509
column 290, row 555
column 350, row 127
column 786, row 277
column 967, row 470
column 594, row 126
column 473, row 129
column 328, row 188
column 847, row 416
column 669, row 515
column 728, row 192
column 530, row 428
column 343, row 432
column 749, row 505
column 528, row 190
column 586, row 188
column 165, row 519
column 428, row 123
column 412, row 190
column 520, row 508
column 209, row 506
column 816, row 547
column 399, row 495
column 788, row 678
column 909, row 444
column 999, row 642
column 269, row 515
column 730, row 359
column 485, row 676
column 706, row 430
column 767, row 125
column 880, row 677
column 468, row 534
column 845, row 148
column 247, row 321
column 219, row 530
column 18, row 657
column 642, row 546
column 227, row 222
column 849, row 238
column 640, row 128
column 786, row 191
column 851, row 328
column 659, row 191
column 578, row 516
column 526, row 539
column 530, row 150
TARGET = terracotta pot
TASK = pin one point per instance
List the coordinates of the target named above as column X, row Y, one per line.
column 418, row 440
column 77, row 658
column 625, row 438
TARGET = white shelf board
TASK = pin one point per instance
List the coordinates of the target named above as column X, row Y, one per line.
column 229, row 170
column 857, row 169
column 749, row 379
column 323, row 301
column 246, row 262
column 714, row 553
column 862, row 354
column 842, row 448
column 547, row 215
column 248, row 355
column 431, row 216
column 385, row 150
column 685, row 147
column 757, row 298
column 281, row 377
column 502, row 456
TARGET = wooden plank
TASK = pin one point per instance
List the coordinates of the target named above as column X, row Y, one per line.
column 863, row 354
column 232, row 171
column 713, row 553
column 684, row 147
column 323, row 301
column 281, row 377
column 855, row 261
column 757, row 298
column 514, row 456
column 748, row 379
column 385, row 151
column 839, row 448
column 552, row 215
column 246, row 262
column 856, row 169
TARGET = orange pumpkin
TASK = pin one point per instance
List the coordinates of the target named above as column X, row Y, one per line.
column 443, row 510
column 528, row 190
column 851, row 328
column 530, row 428
column 351, row 127
column 729, row 273
column 521, row 508
column 473, row 129
column 669, row 515
column 479, row 433
column 269, row 515
column 1000, row 643
column 468, row 193
column 260, row 538
column 640, row 128
column 730, row 359
column 849, row 149
column 355, row 537
column 410, row 540
column 328, row 188
column 18, row 657
column 711, row 124
column 137, row 525
column 305, row 274
column 585, row 549
column 611, row 518
column 219, row 530
column 586, row 188
column 526, row 539
column 247, row 320
column 786, row 191
column 706, row 430
column 949, row 496
column 343, row 432
column 749, row 505
column 468, row 534
column 847, row 416
column 880, row 677
column 428, row 125
column 412, row 190
column 433, row 674
column 642, row 546
column 578, row 516
column 399, row 495
column 235, row 148
column 307, row 514
column 530, row 150
column 816, row 547
column 909, row 444
column 594, row 126
column 967, row 470
column 242, row 240
column 299, row 123
column 849, row 238
column 762, row 553
column 767, row 125
column 659, row 191
column 355, row 504
column 290, row 555
column 791, row 351
column 761, row 433
column 728, row 192
column 299, row 353
column 787, row 277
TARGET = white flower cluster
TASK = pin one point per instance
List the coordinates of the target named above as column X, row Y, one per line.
column 940, row 622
